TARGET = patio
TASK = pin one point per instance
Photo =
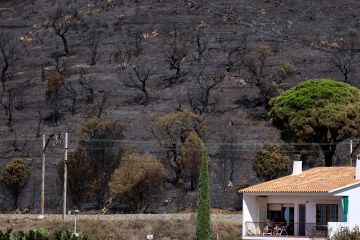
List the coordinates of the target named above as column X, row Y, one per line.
column 266, row 230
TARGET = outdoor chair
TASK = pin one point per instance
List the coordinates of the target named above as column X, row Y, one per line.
column 283, row 230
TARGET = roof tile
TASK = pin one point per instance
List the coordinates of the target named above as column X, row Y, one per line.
column 315, row 180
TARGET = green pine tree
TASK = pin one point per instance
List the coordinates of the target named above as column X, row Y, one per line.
column 203, row 229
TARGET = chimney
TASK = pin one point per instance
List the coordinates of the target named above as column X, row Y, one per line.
column 357, row 176
column 297, row 168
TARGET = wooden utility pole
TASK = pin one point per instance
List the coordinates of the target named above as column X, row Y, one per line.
column 43, row 177
column 65, row 176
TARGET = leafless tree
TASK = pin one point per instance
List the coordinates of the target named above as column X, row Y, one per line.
column 7, row 56
column 121, row 55
column 42, row 74
column 175, row 55
column 7, row 100
column 92, row 45
column 99, row 107
column 228, row 154
column 88, row 89
column 58, row 62
column 61, row 22
column 136, row 43
column 233, row 53
column 127, row 50
column 139, row 79
column 200, row 95
column 201, row 46
column 72, row 95
column 13, row 99
column 343, row 56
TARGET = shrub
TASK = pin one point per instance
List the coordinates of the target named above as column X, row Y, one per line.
column 346, row 233
column 5, row 235
column 270, row 163
column 42, row 234
column 36, row 234
column 137, row 181
column 14, row 178
column 67, row 234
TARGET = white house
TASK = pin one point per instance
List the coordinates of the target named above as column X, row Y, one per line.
column 309, row 204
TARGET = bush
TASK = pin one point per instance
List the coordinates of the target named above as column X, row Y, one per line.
column 5, row 235
column 270, row 163
column 67, row 234
column 43, row 234
column 36, row 234
column 14, row 178
column 137, row 181
column 346, row 233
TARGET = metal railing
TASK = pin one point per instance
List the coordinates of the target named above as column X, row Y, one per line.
column 272, row 229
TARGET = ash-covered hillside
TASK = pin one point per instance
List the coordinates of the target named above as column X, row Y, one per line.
column 63, row 62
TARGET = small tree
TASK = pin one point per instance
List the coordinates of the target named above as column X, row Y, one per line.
column 14, row 178
column 139, row 80
column 55, row 95
column 171, row 130
column 203, row 228
column 92, row 46
column 99, row 139
column 79, row 175
column 228, row 154
column 270, row 163
column 61, row 22
column 200, row 95
column 190, row 158
column 137, row 181
column 87, row 89
column 233, row 53
column 268, row 80
column 175, row 55
column 7, row 52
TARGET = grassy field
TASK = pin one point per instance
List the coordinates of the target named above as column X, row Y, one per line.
column 129, row 230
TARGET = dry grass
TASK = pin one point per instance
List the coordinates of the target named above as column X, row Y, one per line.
column 129, row 230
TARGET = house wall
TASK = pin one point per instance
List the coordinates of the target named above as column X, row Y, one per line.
column 251, row 206
column 310, row 202
column 250, row 211
column 354, row 207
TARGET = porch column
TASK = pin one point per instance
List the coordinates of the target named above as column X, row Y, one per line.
column 296, row 219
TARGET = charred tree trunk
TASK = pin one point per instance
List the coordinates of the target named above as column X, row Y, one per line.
column 65, row 43
column 329, row 151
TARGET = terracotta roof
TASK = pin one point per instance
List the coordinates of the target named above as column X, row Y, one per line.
column 315, row 180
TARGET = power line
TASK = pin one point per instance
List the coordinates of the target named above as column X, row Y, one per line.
column 248, row 143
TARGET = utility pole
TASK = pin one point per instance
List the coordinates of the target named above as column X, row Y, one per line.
column 351, row 151
column 43, row 177
column 65, row 176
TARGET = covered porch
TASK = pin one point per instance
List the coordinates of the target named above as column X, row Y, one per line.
column 292, row 216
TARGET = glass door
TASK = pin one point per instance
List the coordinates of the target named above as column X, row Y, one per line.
column 288, row 217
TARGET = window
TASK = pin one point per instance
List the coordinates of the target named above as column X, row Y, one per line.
column 326, row 213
